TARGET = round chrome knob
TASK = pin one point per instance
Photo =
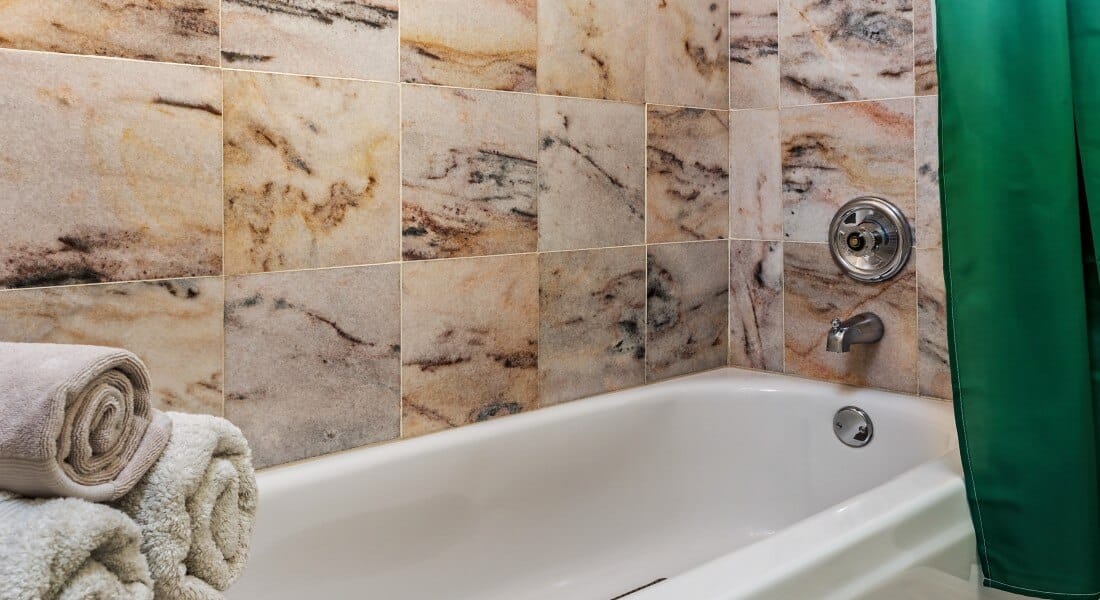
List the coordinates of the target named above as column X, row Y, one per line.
column 870, row 239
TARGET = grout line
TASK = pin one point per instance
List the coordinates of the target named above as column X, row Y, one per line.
column 401, row 355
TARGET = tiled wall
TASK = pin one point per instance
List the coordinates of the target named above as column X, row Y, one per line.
column 341, row 223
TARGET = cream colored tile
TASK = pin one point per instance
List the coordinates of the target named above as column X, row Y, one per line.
column 687, row 53
column 592, row 49
column 312, row 175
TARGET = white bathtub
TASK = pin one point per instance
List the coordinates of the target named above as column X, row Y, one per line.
column 728, row 484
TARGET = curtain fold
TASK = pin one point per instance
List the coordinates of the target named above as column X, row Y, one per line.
column 1020, row 146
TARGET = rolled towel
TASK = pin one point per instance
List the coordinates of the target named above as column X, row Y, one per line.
column 68, row 549
column 75, row 421
column 196, row 508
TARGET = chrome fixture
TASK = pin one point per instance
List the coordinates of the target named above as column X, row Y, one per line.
column 864, row 328
column 853, row 427
column 870, row 239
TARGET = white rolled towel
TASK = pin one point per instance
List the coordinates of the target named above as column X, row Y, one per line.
column 75, row 421
column 69, row 549
column 196, row 508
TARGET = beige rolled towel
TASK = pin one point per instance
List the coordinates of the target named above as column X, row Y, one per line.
column 196, row 508
column 75, row 421
column 69, row 549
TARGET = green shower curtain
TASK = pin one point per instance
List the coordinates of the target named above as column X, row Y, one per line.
column 1020, row 152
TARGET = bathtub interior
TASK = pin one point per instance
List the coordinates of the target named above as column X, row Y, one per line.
column 583, row 501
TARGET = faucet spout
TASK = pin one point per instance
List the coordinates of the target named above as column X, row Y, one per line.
column 864, row 328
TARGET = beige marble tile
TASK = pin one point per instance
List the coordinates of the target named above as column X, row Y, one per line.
column 592, row 49
column 928, row 222
column 687, row 53
column 139, row 145
column 592, row 323
column 756, row 305
column 174, row 325
column 688, row 189
column 754, row 53
column 471, row 332
column 816, row 291
column 687, row 308
column 845, row 50
column 591, row 173
column 935, row 363
column 184, row 31
column 312, row 172
column 927, row 81
column 488, row 44
column 312, row 360
column 341, row 38
column 756, row 174
column 834, row 153
column 469, row 172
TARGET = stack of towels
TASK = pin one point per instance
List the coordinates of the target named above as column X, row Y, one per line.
column 104, row 497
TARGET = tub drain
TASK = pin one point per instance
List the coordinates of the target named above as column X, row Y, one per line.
column 638, row 589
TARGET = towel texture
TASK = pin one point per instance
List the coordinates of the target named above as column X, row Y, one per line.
column 75, row 421
column 68, row 549
column 196, row 508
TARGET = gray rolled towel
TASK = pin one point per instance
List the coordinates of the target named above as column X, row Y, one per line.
column 69, row 549
column 75, row 421
column 196, row 508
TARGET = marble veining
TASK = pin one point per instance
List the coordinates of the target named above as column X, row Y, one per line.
column 754, row 53
column 687, row 53
column 471, row 347
column 311, row 172
column 687, row 174
column 139, row 147
column 184, row 31
column 850, row 50
column 928, row 173
column 833, row 153
column 756, row 305
column 590, row 48
column 344, row 38
column 312, row 360
column 927, row 81
column 816, row 291
column 591, row 172
column 488, row 44
column 687, row 295
column 469, row 172
column 756, row 173
column 935, row 362
column 592, row 324
column 173, row 325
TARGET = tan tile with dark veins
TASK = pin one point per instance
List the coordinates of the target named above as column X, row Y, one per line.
column 341, row 38
column 754, row 53
column 139, row 145
column 183, row 31
column 312, row 175
column 928, row 221
column 487, row 44
column 935, row 362
column 834, row 153
column 687, row 308
column 756, row 174
column 687, row 53
column 469, row 172
column 816, row 291
column 471, row 332
column 312, row 360
column 688, row 174
column 592, row 323
column 927, row 81
column 592, row 49
column 846, row 50
column 591, row 173
column 173, row 325
column 756, row 305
